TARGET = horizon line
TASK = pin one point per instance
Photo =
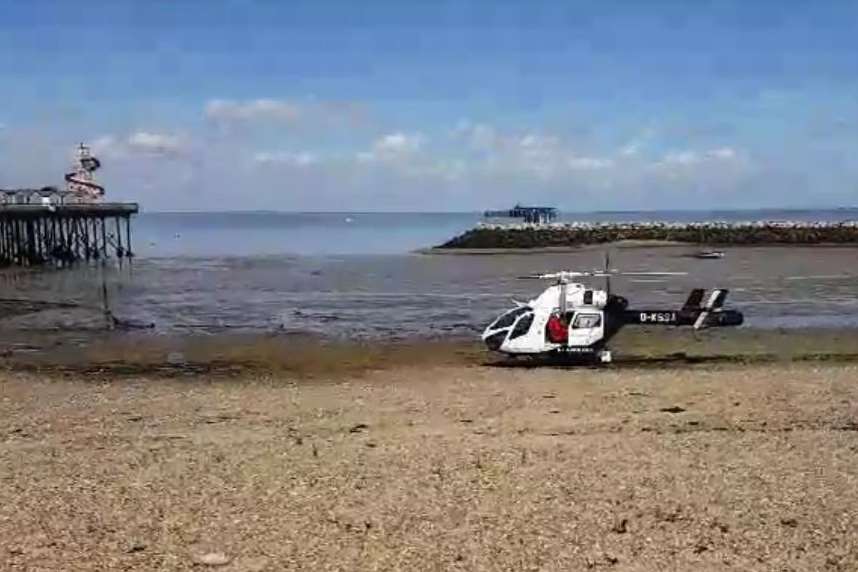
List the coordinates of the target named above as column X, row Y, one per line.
column 480, row 212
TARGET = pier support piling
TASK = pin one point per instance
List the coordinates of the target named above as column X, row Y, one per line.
column 32, row 235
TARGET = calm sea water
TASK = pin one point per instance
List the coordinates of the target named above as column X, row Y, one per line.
column 356, row 275
column 315, row 234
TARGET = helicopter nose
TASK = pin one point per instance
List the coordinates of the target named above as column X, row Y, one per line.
column 495, row 341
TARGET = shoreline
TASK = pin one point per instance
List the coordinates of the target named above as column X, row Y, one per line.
column 305, row 356
column 620, row 245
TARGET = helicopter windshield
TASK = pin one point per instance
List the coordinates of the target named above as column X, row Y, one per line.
column 508, row 318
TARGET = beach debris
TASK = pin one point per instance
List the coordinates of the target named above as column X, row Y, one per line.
column 253, row 564
column 672, row 409
column 789, row 522
column 723, row 528
column 359, row 428
column 175, row 358
column 136, row 547
column 218, row 418
column 212, row 559
column 709, row 254
column 621, row 526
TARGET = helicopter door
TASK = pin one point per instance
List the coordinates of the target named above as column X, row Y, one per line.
column 586, row 329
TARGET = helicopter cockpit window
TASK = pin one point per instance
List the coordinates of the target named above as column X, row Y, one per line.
column 507, row 319
column 583, row 321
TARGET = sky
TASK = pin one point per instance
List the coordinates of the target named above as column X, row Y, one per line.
column 436, row 106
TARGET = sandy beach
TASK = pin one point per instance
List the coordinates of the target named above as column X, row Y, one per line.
column 267, row 449
column 435, row 465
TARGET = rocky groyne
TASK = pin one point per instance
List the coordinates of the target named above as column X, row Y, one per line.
column 508, row 236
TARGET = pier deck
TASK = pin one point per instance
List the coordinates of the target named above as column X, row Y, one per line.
column 34, row 234
column 70, row 209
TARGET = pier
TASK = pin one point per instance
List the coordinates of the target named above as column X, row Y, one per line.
column 533, row 215
column 62, row 234
column 52, row 226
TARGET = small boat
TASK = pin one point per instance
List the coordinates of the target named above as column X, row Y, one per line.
column 709, row 254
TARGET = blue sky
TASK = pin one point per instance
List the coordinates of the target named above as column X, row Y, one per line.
column 436, row 105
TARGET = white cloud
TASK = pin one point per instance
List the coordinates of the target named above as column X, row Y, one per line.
column 689, row 157
column 393, row 147
column 638, row 144
column 589, row 163
column 256, row 109
column 478, row 136
column 141, row 144
column 538, row 143
column 398, row 143
column 681, row 158
column 155, row 143
column 631, row 149
column 723, row 153
column 300, row 159
column 534, row 154
column 469, row 165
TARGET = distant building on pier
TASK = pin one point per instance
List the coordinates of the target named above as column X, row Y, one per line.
column 536, row 215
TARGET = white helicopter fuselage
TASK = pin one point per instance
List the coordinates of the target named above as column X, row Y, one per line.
column 572, row 318
column 583, row 313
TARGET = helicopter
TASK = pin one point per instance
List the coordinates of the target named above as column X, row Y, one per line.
column 572, row 320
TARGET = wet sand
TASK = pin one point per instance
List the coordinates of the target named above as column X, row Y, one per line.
column 433, row 466
column 419, row 296
column 112, row 353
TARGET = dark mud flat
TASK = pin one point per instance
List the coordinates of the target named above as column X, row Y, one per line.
column 303, row 356
column 13, row 307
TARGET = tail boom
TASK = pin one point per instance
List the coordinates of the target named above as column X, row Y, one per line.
column 710, row 314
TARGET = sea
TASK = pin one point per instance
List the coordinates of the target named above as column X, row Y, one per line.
column 366, row 276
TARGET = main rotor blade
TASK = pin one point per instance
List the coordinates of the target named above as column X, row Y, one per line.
column 652, row 273
column 594, row 274
column 554, row 275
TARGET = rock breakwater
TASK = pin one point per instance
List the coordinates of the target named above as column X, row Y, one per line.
column 487, row 235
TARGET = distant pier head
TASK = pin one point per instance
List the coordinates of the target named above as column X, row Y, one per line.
column 537, row 215
column 488, row 235
column 50, row 226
